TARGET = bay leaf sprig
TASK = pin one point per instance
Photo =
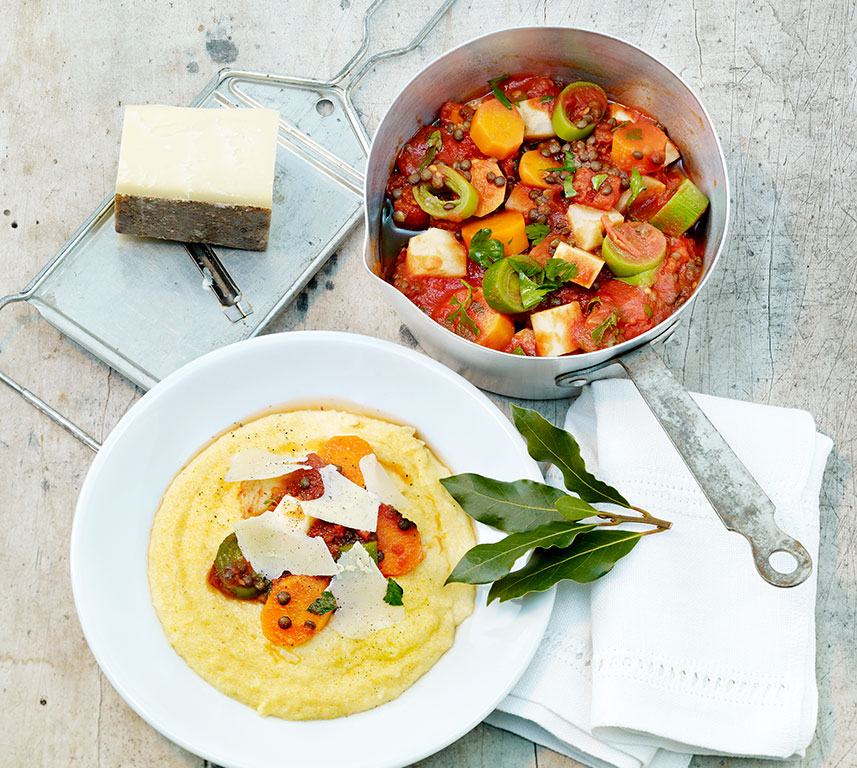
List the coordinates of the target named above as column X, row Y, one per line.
column 568, row 537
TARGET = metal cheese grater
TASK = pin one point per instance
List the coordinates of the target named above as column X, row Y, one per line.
column 145, row 307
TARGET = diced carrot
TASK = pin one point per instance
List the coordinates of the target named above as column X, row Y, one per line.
column 497, row 130
column 490, row 195
column 644, row 139
column 346, row 451
column 532, row 168
column 508, row 227
column 519, row 200
column 302, row 625
column 399, row 542
column 482, row 325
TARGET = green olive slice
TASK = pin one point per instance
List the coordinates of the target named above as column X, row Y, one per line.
column 682, row 210
column 633, row 247
column 578, row 109
column 234, row 572
column 458, row 209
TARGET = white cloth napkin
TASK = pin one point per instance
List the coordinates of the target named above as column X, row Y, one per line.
column 682, row 648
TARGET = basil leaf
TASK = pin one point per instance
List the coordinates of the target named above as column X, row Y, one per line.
column 488, row 562
column 636, row 186
column 545, row 442
column 510, row 506
column 324, row 604
column 560, row 270
column 494, row 82
column 484, row 250
column 537, row 232
column 589, row 557
column 545, row 99
column 598, row 180
column 568, row 187
column 394, row 593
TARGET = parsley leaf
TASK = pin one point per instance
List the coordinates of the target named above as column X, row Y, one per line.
column 620, row 125
column 394, row 593
column 648, row 310
column 519, row 350
column 593, row 304
column 532, row 293
column 598, row 180
column 611, row 322
column 636, row 187
column 484, row 250
column 324, row 604
column 459, row 313
column 537, row 232
column 546, row 98
column 560, row 270
column 494, row 82
column 570, row 167
column 435, row 142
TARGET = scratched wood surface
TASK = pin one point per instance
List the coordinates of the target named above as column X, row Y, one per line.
column 776, row 326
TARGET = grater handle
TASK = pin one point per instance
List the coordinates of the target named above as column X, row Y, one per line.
column 52, row 413
column 362, row 61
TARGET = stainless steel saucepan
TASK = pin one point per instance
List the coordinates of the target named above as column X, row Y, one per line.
column 631, row 76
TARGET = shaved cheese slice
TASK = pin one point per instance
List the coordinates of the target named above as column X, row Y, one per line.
column 359, row 589
column 290, row 510
column 256, row 464
column 343, row 502
column 378, row 481
column 271, row 546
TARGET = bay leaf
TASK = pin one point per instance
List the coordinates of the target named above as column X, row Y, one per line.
column 545, row 442
column 589, row 557
column 488, row 562
column 512, row 507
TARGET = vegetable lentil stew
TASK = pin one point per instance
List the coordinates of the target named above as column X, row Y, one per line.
column 547, row 219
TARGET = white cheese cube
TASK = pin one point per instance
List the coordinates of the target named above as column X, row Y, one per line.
column 537, row 119
column 436, row 253
column 588, row 265
column 652, row 187
column 553, row 329
column 585, row 223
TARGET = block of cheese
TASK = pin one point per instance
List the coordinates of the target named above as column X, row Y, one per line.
column 197, row 175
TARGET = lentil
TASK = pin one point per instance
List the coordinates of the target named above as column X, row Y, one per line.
column 637, row 154
column 304, row 481
column 465, row 164
column 309, row 624
column 283, row 597
column 458, row 134
column 284, row 622
column 499, row 181
column 398, row 216
column 414, row 178
column 404, row 524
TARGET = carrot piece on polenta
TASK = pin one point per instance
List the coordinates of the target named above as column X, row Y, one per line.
column 398, row 541
column 285, row 618
column 346, row 451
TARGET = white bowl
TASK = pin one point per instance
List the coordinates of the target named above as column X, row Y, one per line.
column 167, row 427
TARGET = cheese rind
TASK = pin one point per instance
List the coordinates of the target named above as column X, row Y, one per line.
column 197, row 175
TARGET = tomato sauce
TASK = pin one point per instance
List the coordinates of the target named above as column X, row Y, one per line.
column 584, row 173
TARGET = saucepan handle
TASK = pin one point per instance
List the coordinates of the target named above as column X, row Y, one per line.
column 362, row 61
column 737, row 499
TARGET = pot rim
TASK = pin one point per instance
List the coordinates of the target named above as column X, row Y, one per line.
column 586, row 359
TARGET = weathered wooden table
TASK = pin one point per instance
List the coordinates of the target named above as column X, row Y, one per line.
column 776, row 326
